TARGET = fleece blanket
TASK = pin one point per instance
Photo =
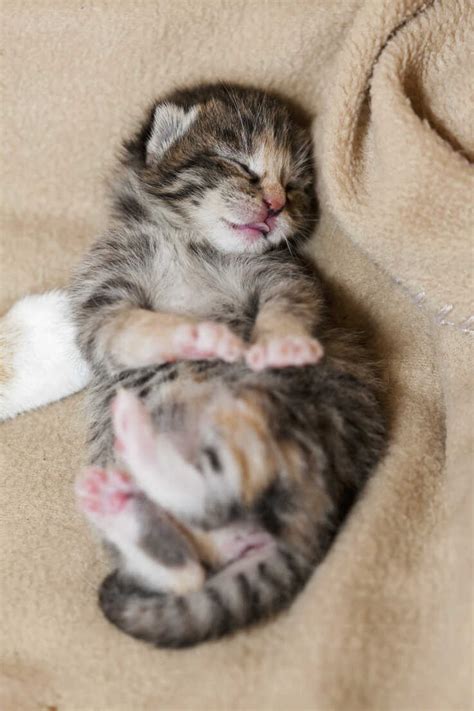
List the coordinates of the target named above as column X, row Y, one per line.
column 386, row 622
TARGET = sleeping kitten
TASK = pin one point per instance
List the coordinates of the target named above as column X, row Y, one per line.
column 244, row 423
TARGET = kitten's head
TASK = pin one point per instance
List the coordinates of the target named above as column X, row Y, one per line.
column 233, row 164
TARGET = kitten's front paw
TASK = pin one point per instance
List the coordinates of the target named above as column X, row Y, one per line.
column 103, row 492
column 206, row 341
column 284, row 351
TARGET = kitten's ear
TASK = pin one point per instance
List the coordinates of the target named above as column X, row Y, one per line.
column 169, row 123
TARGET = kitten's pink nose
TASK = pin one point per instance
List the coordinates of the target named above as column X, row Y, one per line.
column 274, row 198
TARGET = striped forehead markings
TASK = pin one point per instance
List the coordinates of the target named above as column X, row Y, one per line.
column 269, row 161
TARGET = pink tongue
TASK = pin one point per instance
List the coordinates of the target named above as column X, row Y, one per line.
column 260, row 226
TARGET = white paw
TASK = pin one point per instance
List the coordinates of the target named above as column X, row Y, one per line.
column 284, row 351
column 207, row 340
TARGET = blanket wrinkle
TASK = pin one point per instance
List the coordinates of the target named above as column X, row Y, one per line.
column 382, row 161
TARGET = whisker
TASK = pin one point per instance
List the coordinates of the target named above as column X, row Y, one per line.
column 289, row 248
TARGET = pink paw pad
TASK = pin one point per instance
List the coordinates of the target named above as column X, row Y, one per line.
column 284, row 352
column 208, row 340
column 103, row 492
column 240, row 540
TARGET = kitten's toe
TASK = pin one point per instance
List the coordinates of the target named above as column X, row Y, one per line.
column 103, row 492
column 293, row 350
column 283, row 352
column 207, row 340
column 256, row 357
column 185, row 338
column 229, row 347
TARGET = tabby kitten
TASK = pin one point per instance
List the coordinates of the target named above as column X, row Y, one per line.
column 244, row 423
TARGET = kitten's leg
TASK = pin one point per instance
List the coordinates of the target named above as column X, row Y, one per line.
column 161, row 470
column 233, row 464
column 153, row 550
column 134, row 338
column 156, row 550
column 282, row 351
column 282, row 343
column 207, row 339
column 40, row 361
column 155, row 463
column 282, row 334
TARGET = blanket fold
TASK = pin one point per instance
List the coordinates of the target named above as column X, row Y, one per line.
column 397, row 140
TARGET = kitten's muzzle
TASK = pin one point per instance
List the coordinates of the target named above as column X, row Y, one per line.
column 274, row 198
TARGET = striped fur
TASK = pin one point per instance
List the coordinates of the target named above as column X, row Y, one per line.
column 280, row 451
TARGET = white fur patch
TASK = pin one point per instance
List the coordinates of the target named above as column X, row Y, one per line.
column 257, row 161
column 39, row 359
column 155, row 576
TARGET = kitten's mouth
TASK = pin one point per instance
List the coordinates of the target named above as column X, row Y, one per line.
column 254, row 230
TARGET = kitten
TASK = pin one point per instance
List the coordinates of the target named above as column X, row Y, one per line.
column 244, row 423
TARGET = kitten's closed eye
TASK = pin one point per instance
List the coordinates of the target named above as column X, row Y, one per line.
column 226, row 178
column 293, row 187
column 253, row 177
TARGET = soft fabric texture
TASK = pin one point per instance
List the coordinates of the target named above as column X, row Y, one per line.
column 387, row 620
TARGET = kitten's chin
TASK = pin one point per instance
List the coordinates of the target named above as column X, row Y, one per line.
column 225, row 239
column 251, row 241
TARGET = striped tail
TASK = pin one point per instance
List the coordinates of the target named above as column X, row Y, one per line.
column 248, row 590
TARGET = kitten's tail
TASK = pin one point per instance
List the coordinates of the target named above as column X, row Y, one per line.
column 39, row 359
column 248, row 590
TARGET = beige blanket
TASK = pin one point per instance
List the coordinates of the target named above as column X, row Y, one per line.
column 387, row 620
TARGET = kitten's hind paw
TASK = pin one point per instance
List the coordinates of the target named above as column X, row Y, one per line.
column 153, row 549
column 103, row 492
column 283, row 352
column 207, row 340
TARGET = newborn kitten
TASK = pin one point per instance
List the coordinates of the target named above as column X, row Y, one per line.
column 244, row 424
